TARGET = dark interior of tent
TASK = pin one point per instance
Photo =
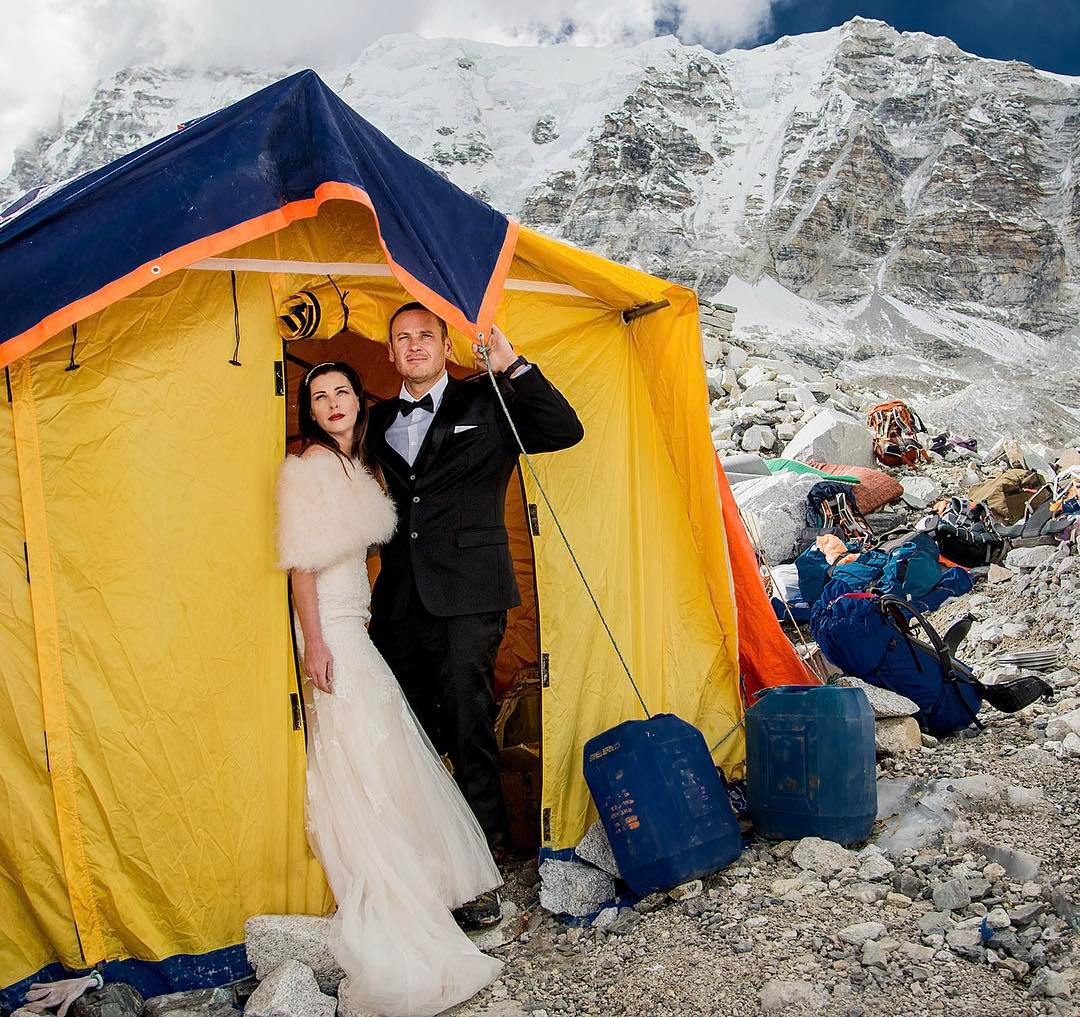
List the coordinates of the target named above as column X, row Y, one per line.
column 518, row 665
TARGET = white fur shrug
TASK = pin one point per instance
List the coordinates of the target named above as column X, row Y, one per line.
column 327, row 511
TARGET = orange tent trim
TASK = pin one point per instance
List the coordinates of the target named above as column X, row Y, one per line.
column 262, row 225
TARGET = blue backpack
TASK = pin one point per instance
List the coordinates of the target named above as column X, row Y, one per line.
column 911, row 572
column 869, row 636
column 815, row 571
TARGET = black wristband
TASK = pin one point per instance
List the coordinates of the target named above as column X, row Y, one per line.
column 511, row 368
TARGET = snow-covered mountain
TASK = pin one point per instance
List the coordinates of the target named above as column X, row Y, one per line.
column 913, row 200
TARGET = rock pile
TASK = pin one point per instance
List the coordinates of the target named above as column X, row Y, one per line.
column 760, row 402
column 760, row 405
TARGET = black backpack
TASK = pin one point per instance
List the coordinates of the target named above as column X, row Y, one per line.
column 831, row 507
column 966, row 534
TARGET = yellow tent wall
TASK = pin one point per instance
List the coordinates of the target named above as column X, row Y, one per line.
column 151, row 647
column 170, row 803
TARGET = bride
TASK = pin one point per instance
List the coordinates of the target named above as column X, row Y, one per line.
column 398, row 843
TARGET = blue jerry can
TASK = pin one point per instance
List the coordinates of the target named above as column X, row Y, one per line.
column 662, row 802
column 810, row 766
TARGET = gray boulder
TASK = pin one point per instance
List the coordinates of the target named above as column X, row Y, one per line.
column 573, row 889
column 757, row 437
column 862, row 932
column 833, row 437
column 919, row 492
column 1051, row 984
column 759, row 391
column 290, row 991
column 595, row 848
column 883, row 702
column 778, row 506
column 874, row 865
column 897, row 736
column 196, row 1001
column 824, row 857
column 1028, row 557
column 114, row 999
column 951, row 895
column 273, row 939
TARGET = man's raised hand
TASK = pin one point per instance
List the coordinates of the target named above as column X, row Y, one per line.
column 500, row 353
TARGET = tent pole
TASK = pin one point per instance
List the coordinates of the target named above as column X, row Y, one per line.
column 639, row 312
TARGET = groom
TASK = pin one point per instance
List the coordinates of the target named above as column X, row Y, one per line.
column 438, row 609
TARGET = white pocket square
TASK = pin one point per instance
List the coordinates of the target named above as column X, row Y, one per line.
column 458, row 428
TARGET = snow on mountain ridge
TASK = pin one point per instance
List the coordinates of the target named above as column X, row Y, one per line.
column 887, row 179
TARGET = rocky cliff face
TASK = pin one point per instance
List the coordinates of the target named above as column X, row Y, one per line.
column 129, row 110
column 849, row 162
column 853, row 161
column 841, row 164
column 860, row 168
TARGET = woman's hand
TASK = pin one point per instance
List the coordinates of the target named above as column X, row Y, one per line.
column 319, row 666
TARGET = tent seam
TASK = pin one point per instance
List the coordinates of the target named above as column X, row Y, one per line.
column 88, row 925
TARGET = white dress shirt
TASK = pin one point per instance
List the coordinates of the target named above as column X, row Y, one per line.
column 406, row 434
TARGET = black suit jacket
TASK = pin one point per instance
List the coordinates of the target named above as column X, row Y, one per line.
column 451, row 537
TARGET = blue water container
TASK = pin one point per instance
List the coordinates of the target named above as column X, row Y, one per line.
column 810, row 766
column 662, row 802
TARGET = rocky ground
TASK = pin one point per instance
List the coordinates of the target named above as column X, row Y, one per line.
column 762, row 395
column 965, row 901
column 973, row 913
column 979, row 919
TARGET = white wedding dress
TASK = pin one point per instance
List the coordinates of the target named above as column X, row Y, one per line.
column 399, row 845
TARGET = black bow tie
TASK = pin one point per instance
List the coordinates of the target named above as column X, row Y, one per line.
column 406, row 406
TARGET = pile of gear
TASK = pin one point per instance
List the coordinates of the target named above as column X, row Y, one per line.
column 865, row 579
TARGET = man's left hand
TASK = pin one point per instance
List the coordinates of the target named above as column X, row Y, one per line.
column 500, row 353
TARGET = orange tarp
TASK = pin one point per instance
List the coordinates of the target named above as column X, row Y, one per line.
column 766, row 657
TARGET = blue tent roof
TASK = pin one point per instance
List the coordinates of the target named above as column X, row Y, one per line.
column 227, row 178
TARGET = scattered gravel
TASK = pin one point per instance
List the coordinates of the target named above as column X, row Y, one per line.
column 947, row 932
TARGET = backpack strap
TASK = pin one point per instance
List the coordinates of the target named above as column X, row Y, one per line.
column 897, row 608
column 956, row 632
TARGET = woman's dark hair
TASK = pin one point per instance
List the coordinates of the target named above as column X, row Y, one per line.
column 312, row 433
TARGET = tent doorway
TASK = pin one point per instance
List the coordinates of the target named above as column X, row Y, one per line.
column 518, row 665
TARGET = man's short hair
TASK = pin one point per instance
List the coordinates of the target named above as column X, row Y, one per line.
column 413, row 305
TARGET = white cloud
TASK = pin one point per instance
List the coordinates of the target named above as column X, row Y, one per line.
column 54, row 50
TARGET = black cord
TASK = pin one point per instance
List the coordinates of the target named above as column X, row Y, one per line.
column 344, row 306
column 482, row 347
column 74, row 339
column 235, row 361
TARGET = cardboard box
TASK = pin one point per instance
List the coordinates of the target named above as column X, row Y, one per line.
column 521, row 780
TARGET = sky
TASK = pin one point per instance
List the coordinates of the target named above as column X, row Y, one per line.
column 1044, row 33
column 55, row 50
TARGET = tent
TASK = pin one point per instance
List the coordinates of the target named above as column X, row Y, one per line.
column 154, row 750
